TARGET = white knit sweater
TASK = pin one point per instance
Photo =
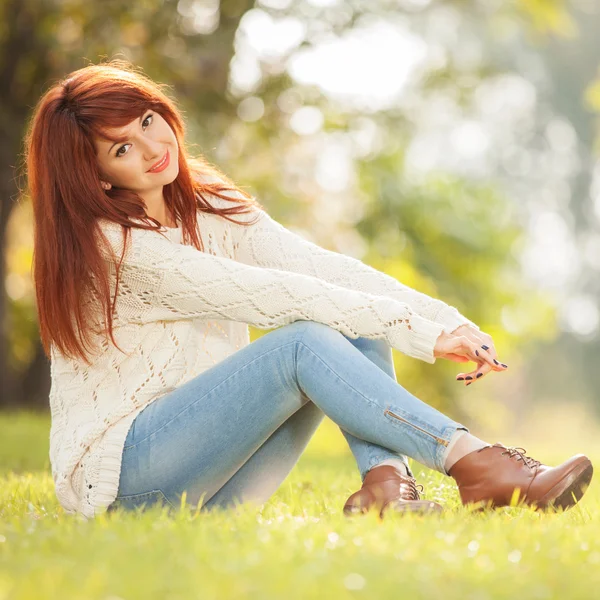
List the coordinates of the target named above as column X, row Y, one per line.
column 180, row 311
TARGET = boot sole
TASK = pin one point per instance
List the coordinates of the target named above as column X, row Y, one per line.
column 415, row 507
column 567, row 492
column 404, row 507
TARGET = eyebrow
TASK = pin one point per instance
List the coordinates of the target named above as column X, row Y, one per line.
column 125, row 138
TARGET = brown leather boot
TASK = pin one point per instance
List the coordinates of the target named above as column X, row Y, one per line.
column 492, row 475
column 387, row 488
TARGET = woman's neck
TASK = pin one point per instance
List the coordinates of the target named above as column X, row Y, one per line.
column 164, row 217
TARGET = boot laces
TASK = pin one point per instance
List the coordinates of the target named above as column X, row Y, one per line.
column 520, row 454
column 409, row 489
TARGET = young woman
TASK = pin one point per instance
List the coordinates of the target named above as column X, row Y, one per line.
column 145, row 286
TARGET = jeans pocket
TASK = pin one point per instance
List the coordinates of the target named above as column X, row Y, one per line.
column 145, row 500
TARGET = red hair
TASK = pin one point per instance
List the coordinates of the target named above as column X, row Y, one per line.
column 63, row 182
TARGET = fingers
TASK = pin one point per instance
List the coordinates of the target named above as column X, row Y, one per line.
column 457, row 358
column 460, row 348
column 468, row 378
column 487, row 362
column 486, row 342
column 477, row 353
column 491, row 351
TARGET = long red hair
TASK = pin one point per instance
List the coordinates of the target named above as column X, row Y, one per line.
column 63, row 183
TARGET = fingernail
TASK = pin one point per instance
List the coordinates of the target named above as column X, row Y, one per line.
column 460, row 378
column 496, row 361
column 468, row 377
column 485, row 347
column 470, row 382
column 479, row 375
column 504, row 365
column 477, row 352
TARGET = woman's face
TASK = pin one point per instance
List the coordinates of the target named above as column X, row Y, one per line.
column 127, row 164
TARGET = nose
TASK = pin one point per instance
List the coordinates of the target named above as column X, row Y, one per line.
column 153, row 151
column 154, row 158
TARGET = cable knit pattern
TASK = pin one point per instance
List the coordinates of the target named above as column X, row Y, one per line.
column 269, row 244
column 180, row 311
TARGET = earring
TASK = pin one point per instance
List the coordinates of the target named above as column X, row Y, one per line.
column 105, row 185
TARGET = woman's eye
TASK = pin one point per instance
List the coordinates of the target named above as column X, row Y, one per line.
column 121, row 148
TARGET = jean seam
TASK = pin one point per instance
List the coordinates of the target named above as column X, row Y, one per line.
column 209, row 391
column 162, row 494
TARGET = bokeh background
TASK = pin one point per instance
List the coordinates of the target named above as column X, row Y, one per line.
column 452, row 144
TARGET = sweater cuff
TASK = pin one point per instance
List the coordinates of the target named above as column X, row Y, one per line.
column 424, row 335
column 451, row 319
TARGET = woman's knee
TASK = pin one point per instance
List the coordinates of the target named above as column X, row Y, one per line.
column 317, row 335
column 371, row 344
column 319, row 330
column 313, row 331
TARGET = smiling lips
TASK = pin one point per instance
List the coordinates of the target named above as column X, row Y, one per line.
column 162, row 164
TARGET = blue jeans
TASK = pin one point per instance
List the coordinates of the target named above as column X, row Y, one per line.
column 233, row 433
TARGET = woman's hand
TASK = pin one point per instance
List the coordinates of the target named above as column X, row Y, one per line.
column 466, row 344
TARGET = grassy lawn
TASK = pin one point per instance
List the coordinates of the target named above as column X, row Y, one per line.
column 297, row 545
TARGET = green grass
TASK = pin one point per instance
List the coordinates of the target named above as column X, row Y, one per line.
column 297, row 545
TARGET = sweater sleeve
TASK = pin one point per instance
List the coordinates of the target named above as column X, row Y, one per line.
column 269, row 244
column 162, row 280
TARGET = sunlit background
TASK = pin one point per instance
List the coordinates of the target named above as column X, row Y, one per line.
column 453, row 145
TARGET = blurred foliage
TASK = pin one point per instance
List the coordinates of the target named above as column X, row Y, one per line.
column 549, row 16
column 459, row 239
column 447, row 235
column 592, row 98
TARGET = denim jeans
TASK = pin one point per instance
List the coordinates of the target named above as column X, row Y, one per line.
column 233, row 433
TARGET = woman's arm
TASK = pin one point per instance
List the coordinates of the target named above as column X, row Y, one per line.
column 269, row 244
column 161, row 280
